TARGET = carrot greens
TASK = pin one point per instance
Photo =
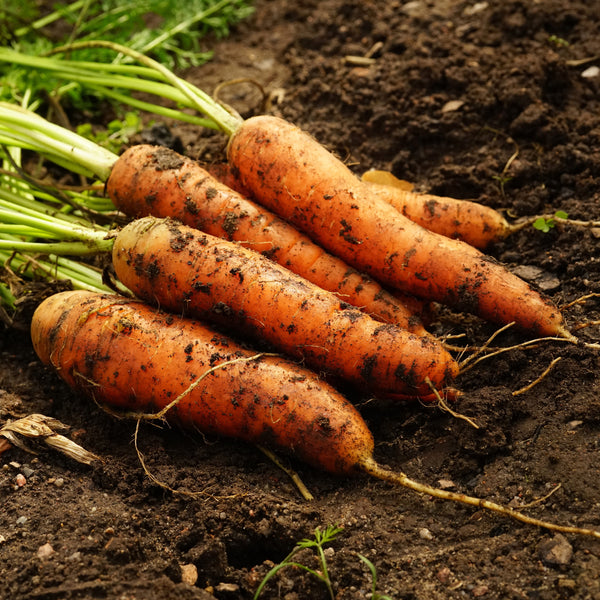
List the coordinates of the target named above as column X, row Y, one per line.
column 170, row 31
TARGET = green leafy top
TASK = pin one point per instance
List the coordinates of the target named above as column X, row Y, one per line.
column 170, row 31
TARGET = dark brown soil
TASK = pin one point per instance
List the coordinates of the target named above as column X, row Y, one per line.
column 487, row 100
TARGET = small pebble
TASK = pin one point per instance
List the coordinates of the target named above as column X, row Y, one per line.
column 228, row 588
column 20, row 479
column 22, row 520
column 451, row 106
column 59, row 482
column 27, row 471
column 567, row 584
column 446, row 484
column 45, row 551
column 556, row 552
column 591, row 72
column 480, row 590
column 189, row 574
column 425, row 534
column 444, row 575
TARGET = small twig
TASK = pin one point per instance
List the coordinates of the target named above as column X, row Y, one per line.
column 536, row 381
column 584, row 325
column 444, row 406
column 580, row 300
column 486, row 345
column 165, row 486
column 290, row 472
column 543, row 498
column 577, row 62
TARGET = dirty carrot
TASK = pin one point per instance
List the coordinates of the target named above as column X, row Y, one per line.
column 292, row 174
column 187, row 271
column 223, row 172
column 151, row 180
column 472, row 222
column 131, row 357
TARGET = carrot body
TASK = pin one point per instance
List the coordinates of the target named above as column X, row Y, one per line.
column 131, row 357
column 465, row 220
column 184, row 270
column 149, row 180
column 227, row 175
column 293, row 175
column 471, row 222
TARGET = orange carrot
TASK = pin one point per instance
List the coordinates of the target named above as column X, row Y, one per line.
column 227, row 175
column 465, row 220
column 223, row 172
column 184, row 270
column 293, row 175
column 471, row 222
column 150, row 180
column 131, row 357
column 127, row 355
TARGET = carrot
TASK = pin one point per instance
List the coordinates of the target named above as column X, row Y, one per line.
column 159, row 181
column 184, row 270
column 151, row 180
column 293, row 175
column 128, row 356
column 465, row 220
column 226, row 175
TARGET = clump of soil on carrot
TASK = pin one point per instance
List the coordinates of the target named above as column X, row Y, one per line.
column 472, row 100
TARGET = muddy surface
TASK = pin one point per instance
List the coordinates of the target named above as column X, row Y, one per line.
column 487, row 100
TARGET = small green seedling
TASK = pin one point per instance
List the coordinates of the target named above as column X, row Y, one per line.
column 558, row 41
column 545, row 224
column 374, row 594
column 320, row 540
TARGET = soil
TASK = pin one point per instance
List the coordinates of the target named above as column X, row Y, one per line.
column 497, row 101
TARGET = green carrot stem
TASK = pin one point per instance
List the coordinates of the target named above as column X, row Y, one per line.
column 163, row 111
column 62, row 230
column 22, row 230
column 48, row 138
column 54, row 267
column 10, row 200
column 48, row 19
column 60, row 248
column 227, row 122
column 183, row 26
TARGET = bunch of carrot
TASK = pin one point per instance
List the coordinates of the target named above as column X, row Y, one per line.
column 127, row 354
